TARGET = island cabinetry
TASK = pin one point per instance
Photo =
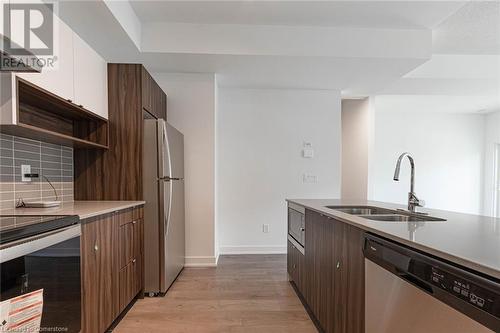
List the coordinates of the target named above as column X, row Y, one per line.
column 330, row 277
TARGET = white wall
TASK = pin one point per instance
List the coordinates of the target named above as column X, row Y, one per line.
column 260, row 136
column 191, row 109
column 356, row 123
column 491, row 139
column 448, row 151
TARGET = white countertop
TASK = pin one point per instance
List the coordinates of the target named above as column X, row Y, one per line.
column 469, row 240
column 84, row 209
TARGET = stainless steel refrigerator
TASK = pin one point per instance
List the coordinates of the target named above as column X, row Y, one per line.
column 164, row 227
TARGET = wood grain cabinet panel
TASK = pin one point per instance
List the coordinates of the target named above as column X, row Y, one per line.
column 111, row 250
column 131, row 255
column 129, row 283
column 355, row 281
column 99, row 273
column 154, row 100
column 333, row 274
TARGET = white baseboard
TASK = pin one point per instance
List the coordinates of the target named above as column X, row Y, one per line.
column 201, row 261
column 259, row 249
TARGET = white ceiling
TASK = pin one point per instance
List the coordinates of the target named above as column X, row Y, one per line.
column 372, row 14
column 463, row 74
column 473, row 29
column 398, row 49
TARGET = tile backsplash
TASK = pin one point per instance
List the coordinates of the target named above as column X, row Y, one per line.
column 53, row 161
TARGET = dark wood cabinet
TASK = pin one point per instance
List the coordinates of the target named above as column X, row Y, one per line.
column 354, row 282
column 99, row 242
column 111, row 259
column 331, row 275
column 130, row 254
column 294, row 264
column 154, row 100
column 116, row 174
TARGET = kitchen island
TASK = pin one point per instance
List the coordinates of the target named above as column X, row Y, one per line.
column 469, row 240
column 327, row 265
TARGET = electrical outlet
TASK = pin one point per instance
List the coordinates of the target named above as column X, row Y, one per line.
column 25, row 168
column 308, row 178
column 265, row 228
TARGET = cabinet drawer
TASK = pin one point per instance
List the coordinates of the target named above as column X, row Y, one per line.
column 130, row 242
column 129, row 215
column 130, row 283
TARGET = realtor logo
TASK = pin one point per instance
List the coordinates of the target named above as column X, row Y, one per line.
column 29, row 28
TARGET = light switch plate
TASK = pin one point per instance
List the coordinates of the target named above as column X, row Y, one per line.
column 265, row 228
column 308, row 153
column 25, row 168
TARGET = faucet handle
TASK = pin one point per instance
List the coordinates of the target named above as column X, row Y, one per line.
column 414, row 200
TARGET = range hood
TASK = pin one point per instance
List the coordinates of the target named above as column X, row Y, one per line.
column 17, row 63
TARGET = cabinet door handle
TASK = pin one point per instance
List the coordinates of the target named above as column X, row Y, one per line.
column 96, row 247
column 338, row 264
column 133, row 261
column 302, row 229
column 134, row 222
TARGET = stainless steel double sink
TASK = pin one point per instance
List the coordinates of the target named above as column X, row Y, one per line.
column 383, row 214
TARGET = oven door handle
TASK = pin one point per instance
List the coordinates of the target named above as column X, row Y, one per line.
column 36, row 243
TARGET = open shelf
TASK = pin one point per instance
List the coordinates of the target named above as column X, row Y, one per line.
column 42, row 115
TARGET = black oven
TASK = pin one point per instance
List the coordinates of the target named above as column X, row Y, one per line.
column 40, row 274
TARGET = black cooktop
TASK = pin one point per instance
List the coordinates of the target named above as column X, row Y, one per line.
column 16, row 227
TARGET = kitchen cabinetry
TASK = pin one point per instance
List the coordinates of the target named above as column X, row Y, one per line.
column 90, row 78
column 331, row 275
column 131, row 231
column 154, row 100
column 79, row 75
column 130, row 101
column 112, row 250
column 57, row 80
column 295, row 261
column 99, row 273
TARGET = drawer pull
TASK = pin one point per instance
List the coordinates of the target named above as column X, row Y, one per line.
column 96, row 247
column 133, row 261
column 134, row 222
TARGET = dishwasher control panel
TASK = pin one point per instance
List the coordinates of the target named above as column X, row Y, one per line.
column 465, row 290
column 471, row 293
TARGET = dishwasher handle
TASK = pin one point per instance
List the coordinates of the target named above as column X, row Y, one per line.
column 416, row 282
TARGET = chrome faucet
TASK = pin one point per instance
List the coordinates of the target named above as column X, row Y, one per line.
column 413, row 201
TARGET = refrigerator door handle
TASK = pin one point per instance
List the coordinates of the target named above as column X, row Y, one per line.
column 165, row 164
column 169, row 178
column 169, row 209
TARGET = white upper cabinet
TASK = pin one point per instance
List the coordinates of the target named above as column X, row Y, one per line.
column 90, row 78
column 58, row 80
column 80, row 74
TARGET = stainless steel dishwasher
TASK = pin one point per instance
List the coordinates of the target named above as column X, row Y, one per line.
column 412, row 292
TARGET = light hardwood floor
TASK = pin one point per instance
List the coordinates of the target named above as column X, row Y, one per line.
column 245, row 293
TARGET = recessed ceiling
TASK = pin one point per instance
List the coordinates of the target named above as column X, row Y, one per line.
column 373, row 14
column 378, row 40
column 473, row 29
